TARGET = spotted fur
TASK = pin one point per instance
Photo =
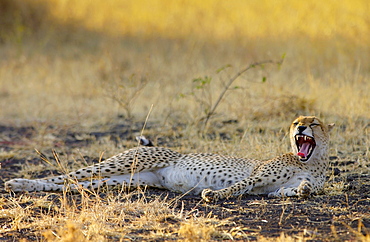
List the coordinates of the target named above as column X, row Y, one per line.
column 215, row 176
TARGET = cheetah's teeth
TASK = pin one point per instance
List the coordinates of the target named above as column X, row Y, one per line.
column 305, row 146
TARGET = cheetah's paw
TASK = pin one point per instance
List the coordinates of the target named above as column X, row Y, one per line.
column 209, row 196
column 304, row 189
column 284, row 192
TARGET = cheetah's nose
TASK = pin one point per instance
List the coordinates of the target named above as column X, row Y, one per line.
column 301, row 128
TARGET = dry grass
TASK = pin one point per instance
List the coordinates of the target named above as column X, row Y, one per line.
column 61, row 59
column 125, row 217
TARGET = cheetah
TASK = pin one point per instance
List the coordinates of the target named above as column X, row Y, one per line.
column 300, row 173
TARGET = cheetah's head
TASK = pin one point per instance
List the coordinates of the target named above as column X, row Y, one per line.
column 309, row 137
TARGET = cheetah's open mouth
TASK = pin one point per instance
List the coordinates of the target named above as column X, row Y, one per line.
column 305, row 145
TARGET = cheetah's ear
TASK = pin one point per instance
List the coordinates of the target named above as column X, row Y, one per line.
column 330, row 126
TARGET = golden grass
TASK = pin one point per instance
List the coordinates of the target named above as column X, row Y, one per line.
column 118, row 217
column 218, row 19
column 124, row 217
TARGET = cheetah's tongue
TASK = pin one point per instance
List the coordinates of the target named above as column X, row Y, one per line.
column 303, row 151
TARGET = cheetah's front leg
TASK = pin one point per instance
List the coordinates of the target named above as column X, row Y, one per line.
column 238, row 188
column 304, row 190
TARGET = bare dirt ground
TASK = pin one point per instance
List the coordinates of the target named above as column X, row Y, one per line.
column 341, row 216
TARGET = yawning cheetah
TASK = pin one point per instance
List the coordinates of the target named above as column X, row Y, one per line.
column 300, row 173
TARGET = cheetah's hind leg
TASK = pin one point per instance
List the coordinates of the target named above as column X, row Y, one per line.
column 21, row 185
column 114, row 170
column 131, row 181
column 149, row 179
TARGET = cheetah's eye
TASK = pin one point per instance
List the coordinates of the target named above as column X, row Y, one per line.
column 295, row 123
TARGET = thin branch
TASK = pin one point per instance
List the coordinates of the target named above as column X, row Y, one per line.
column 226, row 88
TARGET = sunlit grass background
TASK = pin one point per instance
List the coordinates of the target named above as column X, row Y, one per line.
column 60, row 59
column 75, row 64
column 219, row 19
